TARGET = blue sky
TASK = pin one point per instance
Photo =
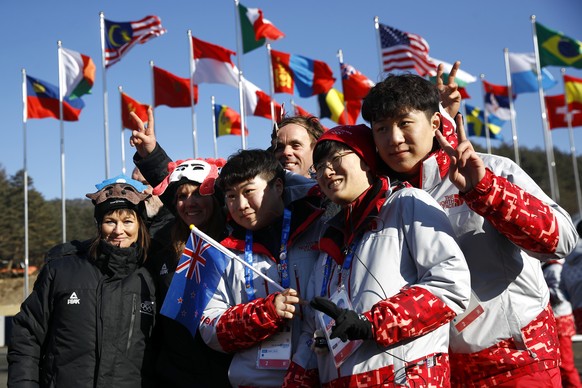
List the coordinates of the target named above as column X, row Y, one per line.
column 473, row 32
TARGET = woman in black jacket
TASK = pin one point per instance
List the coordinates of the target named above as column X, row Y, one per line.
column 89, row 320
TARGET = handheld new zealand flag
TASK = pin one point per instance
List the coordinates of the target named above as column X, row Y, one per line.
column 197, row 276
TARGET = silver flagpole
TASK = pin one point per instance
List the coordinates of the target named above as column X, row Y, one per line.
column 105, row 112
column 378, row 44
column 511, row 106
column 62, row 82
column 572, row 145
column 25, row 179
column 485, row 118
column 122, row 135
column 274, row 119
column 192, row 104
column 340, row 57
column 241, row 100
column 545, row 127
column 214, row 128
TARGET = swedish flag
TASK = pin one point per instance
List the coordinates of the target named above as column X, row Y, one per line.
column 556, row 49
column 476, row 123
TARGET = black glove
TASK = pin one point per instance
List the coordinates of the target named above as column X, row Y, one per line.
column 349, row 325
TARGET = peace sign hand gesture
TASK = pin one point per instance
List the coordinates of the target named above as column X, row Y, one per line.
column 467, row 168
column 143, row 139
column 449, row 94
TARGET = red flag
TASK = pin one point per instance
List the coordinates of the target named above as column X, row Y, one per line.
column 556, row 108
column 464, row 93
column 172, row 90
column 258, row 103
column 128, row 105
column 299, row 111
column 498, row 90
column 354, row 84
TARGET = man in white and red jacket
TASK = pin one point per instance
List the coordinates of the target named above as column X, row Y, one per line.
column 506, row 225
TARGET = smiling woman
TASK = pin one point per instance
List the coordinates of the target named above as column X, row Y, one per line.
column 102, row 290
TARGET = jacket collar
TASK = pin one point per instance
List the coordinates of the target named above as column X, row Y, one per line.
column 354, row 219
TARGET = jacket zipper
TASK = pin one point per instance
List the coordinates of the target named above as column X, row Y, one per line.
column 131, row 323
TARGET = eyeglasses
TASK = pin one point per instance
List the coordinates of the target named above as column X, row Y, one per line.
column 333, row 164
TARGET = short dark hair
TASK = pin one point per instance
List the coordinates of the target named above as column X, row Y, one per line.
column 324, row 149
column 247, row 164
column 397, row 94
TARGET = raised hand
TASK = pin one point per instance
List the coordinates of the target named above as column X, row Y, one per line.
column 144, row 139
column 466, row 168
column 449, row 94
column 285, row 303
column 349, row 325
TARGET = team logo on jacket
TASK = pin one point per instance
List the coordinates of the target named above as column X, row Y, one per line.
column 164, row 270
column 147, row 307
column 451, row 201
column 73, row 299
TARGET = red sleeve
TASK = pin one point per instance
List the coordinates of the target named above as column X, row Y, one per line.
column 247, row 324
column 522, row 218
column 413, row 312
column 298, row 377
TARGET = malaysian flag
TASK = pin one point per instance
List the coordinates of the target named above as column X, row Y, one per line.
column 196, row 278
column 403, row 51
column 119, row 37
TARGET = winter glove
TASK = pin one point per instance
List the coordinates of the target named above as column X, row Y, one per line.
column 349, row 325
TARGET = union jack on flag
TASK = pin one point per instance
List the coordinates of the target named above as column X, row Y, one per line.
column 119, row 37
column 195, row 280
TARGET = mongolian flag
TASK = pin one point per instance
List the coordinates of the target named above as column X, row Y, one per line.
column 295, row 73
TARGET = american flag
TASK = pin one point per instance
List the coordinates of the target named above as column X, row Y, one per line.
column 403, row 51
column 119, row 37
column 194, row 282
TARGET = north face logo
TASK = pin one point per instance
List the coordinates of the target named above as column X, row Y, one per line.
column 451, row 201
column 73, row 299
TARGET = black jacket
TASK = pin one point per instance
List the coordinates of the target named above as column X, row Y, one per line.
column 87, row 323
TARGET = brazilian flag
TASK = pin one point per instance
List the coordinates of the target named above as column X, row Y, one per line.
column 557, row 49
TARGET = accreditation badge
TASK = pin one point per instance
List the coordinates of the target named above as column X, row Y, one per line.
column 275, row 351
column 473, row 311
column 339, row 349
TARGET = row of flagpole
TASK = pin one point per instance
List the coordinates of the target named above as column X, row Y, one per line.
column 241, row 82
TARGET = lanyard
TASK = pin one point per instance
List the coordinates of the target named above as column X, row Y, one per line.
column 283, row 261
column 346, row 266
